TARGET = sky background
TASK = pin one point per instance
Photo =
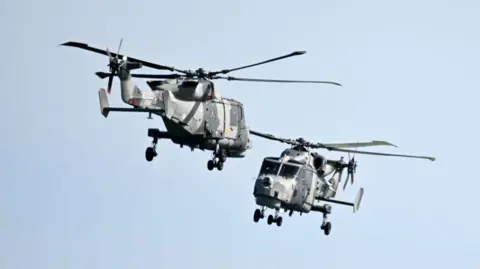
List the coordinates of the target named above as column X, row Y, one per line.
column 76, row 191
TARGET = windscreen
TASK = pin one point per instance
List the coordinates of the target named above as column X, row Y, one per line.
column 289, row 170
column 269, row 167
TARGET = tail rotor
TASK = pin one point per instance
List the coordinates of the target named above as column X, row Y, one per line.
column 114, row 65
column 351, row 170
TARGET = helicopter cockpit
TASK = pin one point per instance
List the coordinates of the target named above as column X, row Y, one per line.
column 289, row 170
column 272, row 166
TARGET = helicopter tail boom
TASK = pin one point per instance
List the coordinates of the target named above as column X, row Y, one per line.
column 105, row 107
column 355, row 204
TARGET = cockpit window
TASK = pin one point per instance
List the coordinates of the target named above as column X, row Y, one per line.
column 269, row 167
column 289, row 170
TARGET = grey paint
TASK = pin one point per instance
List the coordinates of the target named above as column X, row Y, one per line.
column 311, row 186
column 212, row 122
column 194, row 113
column 300, row 192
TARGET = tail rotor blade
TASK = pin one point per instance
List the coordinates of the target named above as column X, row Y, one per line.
column 110, row 81
column 108, row 52
column 114, row 65
column 354, row 166
column 346, row 181
column 119, row 47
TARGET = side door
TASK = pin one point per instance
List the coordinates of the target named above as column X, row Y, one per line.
column 214, row 115
column 310, row 185
column 232, row 116
column 300, row 192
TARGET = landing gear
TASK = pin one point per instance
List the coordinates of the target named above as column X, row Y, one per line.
column 279, row 221
column 219, row 158
column 260, row 214
column 270, row 219
column 151, row 152
column 326, row 225
column 215, row 163
column 210, row 165
column 275, row 219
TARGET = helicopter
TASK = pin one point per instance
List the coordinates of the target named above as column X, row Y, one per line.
column 189, row 103
column 300, row 179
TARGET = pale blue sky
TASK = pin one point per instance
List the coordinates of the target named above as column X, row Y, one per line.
column 76, row 191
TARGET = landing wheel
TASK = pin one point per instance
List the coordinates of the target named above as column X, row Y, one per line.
column 210, row 165
column 257, row 215
column 215, row 163
column 279, row 221
column 270, row 219
column 220, row 166
column 327, row 228
column 150, row 154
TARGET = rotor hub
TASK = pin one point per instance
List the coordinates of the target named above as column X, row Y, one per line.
column 352, row 166
column 113, row 65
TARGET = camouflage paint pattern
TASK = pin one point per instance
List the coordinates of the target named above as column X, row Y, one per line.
column 298, row 193
column 195, row 114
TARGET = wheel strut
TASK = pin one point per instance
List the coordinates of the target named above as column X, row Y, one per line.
column 217, row 160
column 326, row 225
column 275, row 219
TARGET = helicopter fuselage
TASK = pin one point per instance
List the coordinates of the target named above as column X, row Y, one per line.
column 195, row 115
column 295, row 180
column 190, row 106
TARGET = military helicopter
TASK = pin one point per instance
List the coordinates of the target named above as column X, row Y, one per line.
column 299, row 179
column 194, row 113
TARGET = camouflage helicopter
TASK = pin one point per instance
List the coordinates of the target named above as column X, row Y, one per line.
column 299, row 178
column 189, row 103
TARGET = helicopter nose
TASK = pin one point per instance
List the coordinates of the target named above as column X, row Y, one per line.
column 267, row 181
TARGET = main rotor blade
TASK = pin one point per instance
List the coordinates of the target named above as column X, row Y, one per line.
column 103, row 75
column 225, row 71
column 103, row 52
column 331, row 148
column 277, row 80
column 272, row 137
column 381, row 153
column 360, row 144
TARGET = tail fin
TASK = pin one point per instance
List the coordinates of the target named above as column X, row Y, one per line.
column 104, row 106
column 358, row 200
